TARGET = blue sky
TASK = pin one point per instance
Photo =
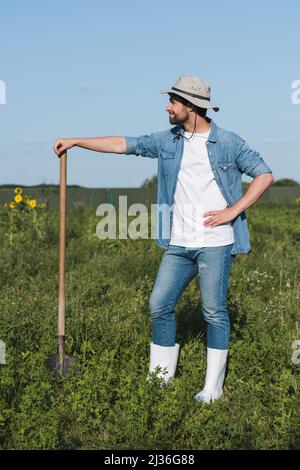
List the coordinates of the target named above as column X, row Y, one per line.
column 94, row 68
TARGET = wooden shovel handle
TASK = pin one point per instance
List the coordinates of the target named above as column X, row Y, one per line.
column 62, row 243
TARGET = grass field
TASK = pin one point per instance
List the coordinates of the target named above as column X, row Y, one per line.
column 107, row 403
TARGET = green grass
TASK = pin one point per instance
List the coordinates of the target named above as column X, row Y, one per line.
column 108, row 404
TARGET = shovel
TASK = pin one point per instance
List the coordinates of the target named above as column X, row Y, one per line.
column 60, row 363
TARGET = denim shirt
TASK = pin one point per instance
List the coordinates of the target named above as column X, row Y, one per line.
column 229, row 156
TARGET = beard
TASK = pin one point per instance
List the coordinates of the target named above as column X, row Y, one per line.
column 173, row 119
column 178, row 119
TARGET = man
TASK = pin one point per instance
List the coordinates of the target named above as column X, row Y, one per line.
column 199, row 177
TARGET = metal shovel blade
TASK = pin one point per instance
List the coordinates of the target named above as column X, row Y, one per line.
column 53, row 363
column 60, row 363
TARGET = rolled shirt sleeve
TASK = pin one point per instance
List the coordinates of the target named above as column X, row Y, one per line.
column 249, row 161
column 144, row 145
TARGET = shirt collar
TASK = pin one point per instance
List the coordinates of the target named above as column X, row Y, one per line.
column 212, row 137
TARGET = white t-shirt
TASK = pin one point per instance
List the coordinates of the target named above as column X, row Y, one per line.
column 197, row 192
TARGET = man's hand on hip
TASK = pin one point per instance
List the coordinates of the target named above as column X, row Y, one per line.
column 219, row 217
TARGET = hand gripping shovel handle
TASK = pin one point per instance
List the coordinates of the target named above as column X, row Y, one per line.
column 62, row 257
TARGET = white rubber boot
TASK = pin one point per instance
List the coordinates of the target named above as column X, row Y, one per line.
column 215, row 373
column 164, row 357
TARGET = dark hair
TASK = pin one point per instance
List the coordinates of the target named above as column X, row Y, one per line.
column 200, row 111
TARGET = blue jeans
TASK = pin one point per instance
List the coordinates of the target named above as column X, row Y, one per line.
column 178, row 267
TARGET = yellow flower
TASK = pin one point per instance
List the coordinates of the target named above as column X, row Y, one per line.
column 43, row 206
column 297, row 200
column 18, row 198
column 5, row 205
column 32, row 203
column 12, row 205
column 18, row 190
